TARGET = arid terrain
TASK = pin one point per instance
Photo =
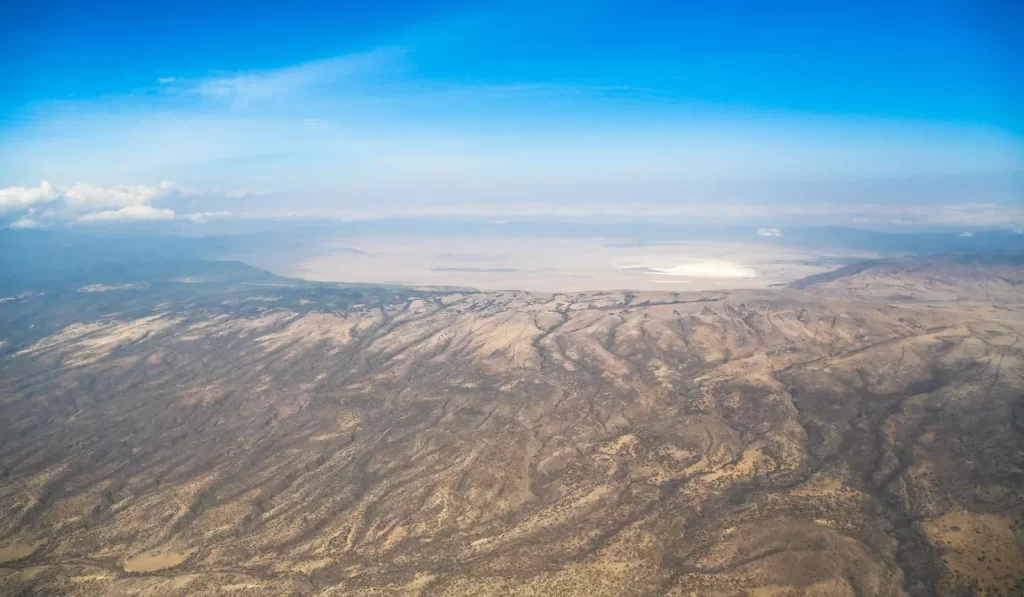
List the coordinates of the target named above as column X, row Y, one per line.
column 859, row 433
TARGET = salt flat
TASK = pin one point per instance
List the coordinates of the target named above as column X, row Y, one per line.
column 547, row 264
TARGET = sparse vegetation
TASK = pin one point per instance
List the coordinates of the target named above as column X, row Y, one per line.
column 180, row 439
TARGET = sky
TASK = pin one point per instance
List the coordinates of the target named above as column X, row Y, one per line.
column 895, row 114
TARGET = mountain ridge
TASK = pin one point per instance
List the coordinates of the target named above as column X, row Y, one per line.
column 513, row 443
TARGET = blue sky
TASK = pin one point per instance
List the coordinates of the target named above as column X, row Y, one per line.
column 868, row 113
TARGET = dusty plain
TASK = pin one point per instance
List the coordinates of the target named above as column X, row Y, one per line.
column 549, row 264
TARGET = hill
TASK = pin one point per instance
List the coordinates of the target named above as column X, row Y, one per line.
column 224, row 438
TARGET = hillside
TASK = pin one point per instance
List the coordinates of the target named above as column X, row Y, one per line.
column 989, row 278
column 225, row 438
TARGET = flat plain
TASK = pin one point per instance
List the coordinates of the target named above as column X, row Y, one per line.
column 546, row 264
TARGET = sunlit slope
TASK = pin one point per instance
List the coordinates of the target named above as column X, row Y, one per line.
column 746, row 443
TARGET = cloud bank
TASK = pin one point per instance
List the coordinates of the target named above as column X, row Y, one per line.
column 131, row 213
column 83, row 203
column 24, row 223
column 82, row 197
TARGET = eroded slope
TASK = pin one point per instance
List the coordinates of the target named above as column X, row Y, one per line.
column 518, row 444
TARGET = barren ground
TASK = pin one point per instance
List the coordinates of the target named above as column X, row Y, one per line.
column 855, row 436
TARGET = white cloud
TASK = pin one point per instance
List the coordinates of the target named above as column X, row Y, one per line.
column 14, row 198
column 769, row 232
column 966, row 234
column 83, row 197
column 25, row 223
column 243, row 87
column 88, row 203
column 205, row 216
column 126, row 214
